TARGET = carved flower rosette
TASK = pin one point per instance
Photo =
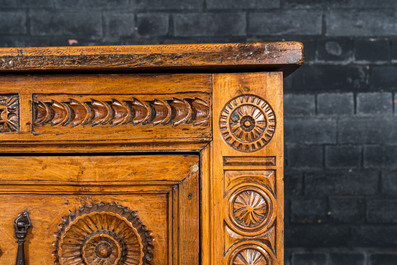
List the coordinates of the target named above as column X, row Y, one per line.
column 103, row 233
column 251, row 209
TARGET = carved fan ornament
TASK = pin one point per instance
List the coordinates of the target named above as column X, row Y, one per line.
column 249, row 257
column 104, row 233
column 75, row 113
column 247, row 123
column 9, row 116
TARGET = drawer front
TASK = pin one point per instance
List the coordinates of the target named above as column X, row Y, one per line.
column 109, row 209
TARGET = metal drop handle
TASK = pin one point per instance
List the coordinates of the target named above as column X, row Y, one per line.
column 21, row 224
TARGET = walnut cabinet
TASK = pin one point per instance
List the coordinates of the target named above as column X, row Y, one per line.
column 151, row 155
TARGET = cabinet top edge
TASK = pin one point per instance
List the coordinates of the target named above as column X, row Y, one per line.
column 223, row 57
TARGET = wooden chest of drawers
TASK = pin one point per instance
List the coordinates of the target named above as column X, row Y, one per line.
column 168, row 154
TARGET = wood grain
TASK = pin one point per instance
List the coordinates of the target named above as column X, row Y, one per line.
column 272, row 56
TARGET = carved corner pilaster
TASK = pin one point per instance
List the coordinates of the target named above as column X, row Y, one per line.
column 247, row 168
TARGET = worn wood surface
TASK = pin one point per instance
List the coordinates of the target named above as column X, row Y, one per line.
column 272, row 56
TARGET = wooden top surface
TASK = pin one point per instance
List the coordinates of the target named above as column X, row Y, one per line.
column 227, row 57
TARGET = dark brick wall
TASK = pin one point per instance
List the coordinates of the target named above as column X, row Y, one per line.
column 340, row 115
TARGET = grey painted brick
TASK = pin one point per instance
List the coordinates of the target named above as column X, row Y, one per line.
column 383, row 236
column 118, row 24
column 346, row 209
column 26, row 3
column 372, row 50
column 329, row 78
column 380, row 156
column 342, row 182
column 335, row 104
column 389, row 182
column 374, row 103
column 305, row 156
column 343, row 156
column 383, row 259
column 281, row 23
column 310, row 130
column 377, row 22
column 169, row 4
column 293, row 183
column 309, row 258
column 394, row 50
column 153, row 24
column 382, row 210
column 315, row 4
column 92, row 4
column 13, row 22
column 335, row 50
column 308, row 210
column 367, row 130
column 324, row 235
column 310, row 50
column 383, row 77
column 209, row 24
column 299, row 105
column 346, row 259
column 69, row 23
column 238, row 4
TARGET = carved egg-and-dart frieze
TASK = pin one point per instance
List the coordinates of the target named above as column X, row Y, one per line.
column 247, row 123
column 9, row 113
column 103, row 233
column 74, row 113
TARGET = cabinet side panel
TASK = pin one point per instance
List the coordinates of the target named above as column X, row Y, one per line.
column 247, row 169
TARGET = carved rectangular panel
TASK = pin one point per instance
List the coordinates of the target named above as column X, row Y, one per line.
column 9, row 113
column 102, row 209
column 247, row 164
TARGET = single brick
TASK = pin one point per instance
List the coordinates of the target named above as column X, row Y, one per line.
column 315, row 235
column 209, row 24
column 316, row 4
column 310, row 50
column 394, row 50
column 377, row 22
column 383, row 77
column 375, row 103
column 329, row 78
column 335, row 104
column 310, row 130
column 346, row 209
column 293, row 183
column 169, row 4
column 342, row 156
column 334, row 50
column 367, row 130
column 382, row 210
column 346, row 259
column 383, row 259
column 305, row 156
column 26, row 3
column 299, row 105
column 309, row 258
column 380, row 156
column 308, row 210
column 118, row 24
column 342, row 182
column 13, row 22
column 69, row 23
column 372, row 50
column 281, row 23
column 238, row 4
column 153, row 24
column 382, row 236
column 92, row 4
column 389, row 182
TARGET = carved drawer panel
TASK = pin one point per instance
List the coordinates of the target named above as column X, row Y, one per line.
column 101, row 209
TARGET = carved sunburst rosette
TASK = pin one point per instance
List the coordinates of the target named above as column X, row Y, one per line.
column 251, row 209
column 250, row 253
column 247, row 123
column 9, row 113
column 103, row 233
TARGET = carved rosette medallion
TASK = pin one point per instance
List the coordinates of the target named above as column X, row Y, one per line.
column 247, row 123
column 251, row 253
column 9, row 116
column 252, row 209
column 103, row 233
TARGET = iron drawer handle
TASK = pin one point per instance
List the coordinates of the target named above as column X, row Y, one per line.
column 21, row 225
